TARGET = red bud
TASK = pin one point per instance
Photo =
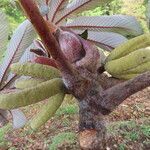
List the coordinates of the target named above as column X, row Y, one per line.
column 91, row 59
column 45, row 61
column 70, row 45
column 80, row 52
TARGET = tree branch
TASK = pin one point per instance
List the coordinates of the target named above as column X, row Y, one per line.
column 95, row 103
column 112, row 97
column 108, row 82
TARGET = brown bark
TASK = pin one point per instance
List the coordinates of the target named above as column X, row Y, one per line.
column 92, row 128
column 115, row 95
column 107, row 82
column 96, row 104
column 105, row 101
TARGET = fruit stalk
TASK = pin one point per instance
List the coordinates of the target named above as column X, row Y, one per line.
column 35, row 70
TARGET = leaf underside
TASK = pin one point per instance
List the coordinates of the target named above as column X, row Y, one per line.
column 116, row 23
column 4, row 31
column 105, row 40
column 20, row 41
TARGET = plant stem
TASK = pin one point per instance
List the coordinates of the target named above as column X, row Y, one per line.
column 44, row 31
column 92, row 128
column 106, row 101
column 114, row 96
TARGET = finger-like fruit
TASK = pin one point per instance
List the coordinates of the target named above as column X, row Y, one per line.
column 124, row 64
column 140, row 69
column 26, row 83
column 126, row 76
column 130, row 46
column 35, row 70
column 31, row 95
column 47, row 111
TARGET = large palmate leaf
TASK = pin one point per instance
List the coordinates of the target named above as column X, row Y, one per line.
column 21, row 39
column 60, row 10
column 116, row 23
column 55, row 7
column 4, row 31
column 43, row 6
column 105, row 40
column 27, row 56
column 19, row 119
column 75, row 7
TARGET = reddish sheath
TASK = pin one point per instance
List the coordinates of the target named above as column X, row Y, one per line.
column 45, row 61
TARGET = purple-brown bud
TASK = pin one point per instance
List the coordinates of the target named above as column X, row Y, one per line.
column 83, row 59
column 91, row 59
column 81, row 53
column 70, row 45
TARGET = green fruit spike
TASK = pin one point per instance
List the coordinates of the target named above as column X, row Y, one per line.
column 47, row 111
column 26, row 83
column 122, row 65
column 130, row 46
column 31, row 95
column 140, row 69
column 35, row 70
column 127, row 76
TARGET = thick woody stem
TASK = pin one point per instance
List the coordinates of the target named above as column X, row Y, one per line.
column 91, row 122
column 108, row 82
column 114, row 96
column 44, row 30
column 96, row 104
column 92, row 127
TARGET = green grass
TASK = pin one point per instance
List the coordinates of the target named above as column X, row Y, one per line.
column 137, row 132
column 130, row 130
column 68, row 109
column 3, row 131
column 68, row 137
column 122, row 146
column 145, row 130
column 66, row 122
column 115, row 127
column 133, row 136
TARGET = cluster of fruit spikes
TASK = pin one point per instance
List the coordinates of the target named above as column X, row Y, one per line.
column 45, row 83
column 130, row 59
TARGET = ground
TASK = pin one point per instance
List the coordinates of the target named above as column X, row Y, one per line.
column 128, row 128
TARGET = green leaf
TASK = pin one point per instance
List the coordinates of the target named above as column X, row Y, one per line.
column 84, row 35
